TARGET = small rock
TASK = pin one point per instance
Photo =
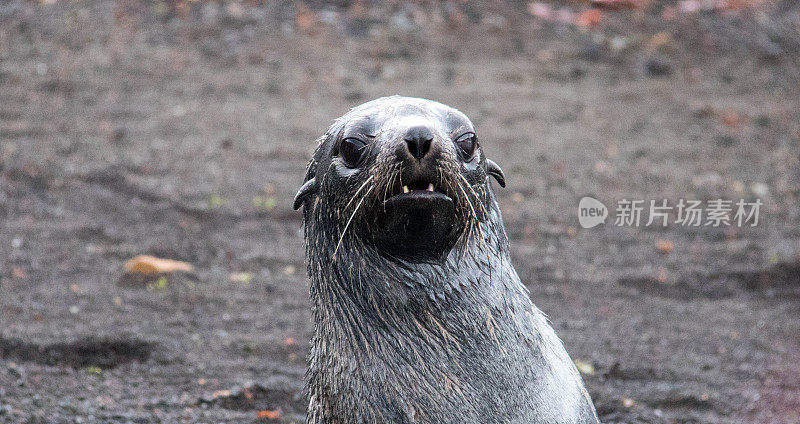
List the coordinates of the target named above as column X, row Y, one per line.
column 269, row 414
column 593, row 52
column 724, row 140
column 618, row 44
column 145, row 264
column 664, row 246
column 355, row 95
column 14, row 371
column 759, row 189
column 770, row 51
column 584, row 367
column 589, row 18
column 541, row 10
column 154, row 273
column 704, row 111
column 659, row 40
column 241, row 277
column 731, row 118
column 494, row 21
column 119, row 134
column 403, row 22
column 658, row 67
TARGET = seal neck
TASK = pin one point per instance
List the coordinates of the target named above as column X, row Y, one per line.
column 476, row 271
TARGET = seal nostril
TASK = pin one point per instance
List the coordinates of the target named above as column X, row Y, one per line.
column 418, row 139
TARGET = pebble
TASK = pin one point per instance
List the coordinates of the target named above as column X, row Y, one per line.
column 658, row 67
column 770, row 51
column 593, row 52
column 759, row 189
column 618, row 44
column 145, row 264
column 763, row 121
column 724, row 140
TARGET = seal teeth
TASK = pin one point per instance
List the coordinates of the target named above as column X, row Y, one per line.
column 405, row 189
column 430, row 186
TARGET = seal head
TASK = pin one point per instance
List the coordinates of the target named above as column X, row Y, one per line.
column 404, row 169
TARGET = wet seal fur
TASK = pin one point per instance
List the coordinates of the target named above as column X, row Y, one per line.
column 419, row 315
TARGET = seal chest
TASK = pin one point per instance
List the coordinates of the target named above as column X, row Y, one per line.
column 419, row 314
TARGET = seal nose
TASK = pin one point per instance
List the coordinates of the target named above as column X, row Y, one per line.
column 418, row 139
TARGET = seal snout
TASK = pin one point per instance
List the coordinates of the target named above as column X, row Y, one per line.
column 418, row 140
column 418, row 153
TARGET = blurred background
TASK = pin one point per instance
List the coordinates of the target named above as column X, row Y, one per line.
column 181, row 130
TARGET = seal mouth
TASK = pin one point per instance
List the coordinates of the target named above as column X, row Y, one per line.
column 417, row 190
column 417, row 222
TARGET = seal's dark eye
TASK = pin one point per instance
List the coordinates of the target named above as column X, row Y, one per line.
column 467, row 144
column 351, row 151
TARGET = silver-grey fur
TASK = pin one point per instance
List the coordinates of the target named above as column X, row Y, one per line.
column 451, row 341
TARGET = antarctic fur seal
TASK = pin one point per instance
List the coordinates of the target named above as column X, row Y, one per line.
column 419, row 315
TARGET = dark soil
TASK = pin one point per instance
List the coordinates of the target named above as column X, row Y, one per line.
column 182, row 130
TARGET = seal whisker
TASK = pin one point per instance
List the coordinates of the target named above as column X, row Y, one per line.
column 341, row 237
column 389, row 182
column 468, row 235
column 386, row 184
column 476, row 221
column 357, row 191
column 465, row 206
column 469, row 202
column 395, row 177
column 485, row 212
column 477, row 198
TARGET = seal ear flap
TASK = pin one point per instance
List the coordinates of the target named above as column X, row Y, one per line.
column 494, row 170
column 309, row 188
